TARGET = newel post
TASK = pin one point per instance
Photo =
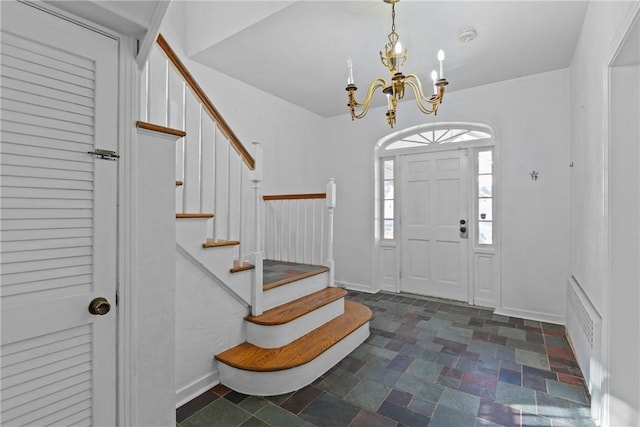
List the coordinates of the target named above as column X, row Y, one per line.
column 256, row 178
column 331, row 205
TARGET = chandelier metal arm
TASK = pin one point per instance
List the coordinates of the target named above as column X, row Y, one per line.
column 416, row 87
column 366, row 103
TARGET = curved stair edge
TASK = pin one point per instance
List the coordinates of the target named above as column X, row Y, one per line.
column 271, row 383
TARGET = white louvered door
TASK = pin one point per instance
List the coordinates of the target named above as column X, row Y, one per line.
column 58, row 220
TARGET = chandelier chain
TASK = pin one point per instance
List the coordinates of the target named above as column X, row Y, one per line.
column 393, row 16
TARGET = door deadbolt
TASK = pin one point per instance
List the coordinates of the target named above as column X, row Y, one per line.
column 99, row 306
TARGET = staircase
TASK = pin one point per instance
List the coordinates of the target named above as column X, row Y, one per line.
column 294, row 327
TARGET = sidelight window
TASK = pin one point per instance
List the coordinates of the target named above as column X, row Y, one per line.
column 485, row 197
column 388, row 199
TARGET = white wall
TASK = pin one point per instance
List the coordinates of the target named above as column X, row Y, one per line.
column 602, row 32
column 293, row 140
column 208, row 321
column 530, row 116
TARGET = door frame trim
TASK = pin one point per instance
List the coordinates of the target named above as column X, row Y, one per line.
column 602, row 413
column 378, row 245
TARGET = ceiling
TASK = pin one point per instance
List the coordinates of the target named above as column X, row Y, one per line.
column 131, row 17
column 298, row 50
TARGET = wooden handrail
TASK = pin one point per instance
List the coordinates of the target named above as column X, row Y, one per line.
column 295, row 196
column 161, row 129
column 206, row 102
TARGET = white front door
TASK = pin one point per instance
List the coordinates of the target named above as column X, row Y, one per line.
column 434, row 251
column 59, row 86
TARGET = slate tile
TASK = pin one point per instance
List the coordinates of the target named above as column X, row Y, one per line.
column 399, row 397
column 276, row 416
column 254, row 422
column 570, row 379
column 401, row 362
column 367, row 418
column 422, row 406
column 459, row 402
column 221, row 389
column 444, row 416
column 300, row 399
column 195, row 405
column 339, row 383
column 235, row 397
column 517, row 397
column 534, row 383
column 560, row 353
column 220, row 413
column 564, row 366
column 532, row 359
column 567, row 391
column 404, row 416
column 511, row 377
column 252, row 404
column 544, row 373
column 329, row 411
column 500, row 414
column 368, row 394
column 351, row 364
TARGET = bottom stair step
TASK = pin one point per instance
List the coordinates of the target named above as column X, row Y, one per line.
column 254, row 370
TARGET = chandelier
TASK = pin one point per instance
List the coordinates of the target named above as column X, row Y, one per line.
column 393, row 58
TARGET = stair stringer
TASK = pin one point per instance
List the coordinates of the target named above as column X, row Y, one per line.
column 190, row 236
column 280, row 382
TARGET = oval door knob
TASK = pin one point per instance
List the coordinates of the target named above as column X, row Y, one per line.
column 99, row 306
column 463, row 229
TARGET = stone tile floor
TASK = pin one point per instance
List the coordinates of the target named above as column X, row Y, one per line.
column 427, row 363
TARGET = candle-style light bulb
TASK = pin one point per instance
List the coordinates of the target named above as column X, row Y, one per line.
column 441, row 59
column 350, row 69
column 434, row 77
column 398, row 51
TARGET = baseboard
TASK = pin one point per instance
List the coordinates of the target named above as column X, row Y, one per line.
column 356, row 287
column 196, row 388
column 484, row 303
column 531, row 315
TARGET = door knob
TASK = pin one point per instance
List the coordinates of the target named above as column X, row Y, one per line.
column 99, row 306
column 463, row 229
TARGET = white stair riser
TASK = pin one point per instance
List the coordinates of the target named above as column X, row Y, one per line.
column 281, row 335
column 191, row 232
column 281, row 382
column 291, row 291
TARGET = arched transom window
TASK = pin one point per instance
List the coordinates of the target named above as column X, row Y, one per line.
column 438, row 136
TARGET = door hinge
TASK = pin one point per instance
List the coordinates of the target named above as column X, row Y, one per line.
column 105, row 154
column 117, row 299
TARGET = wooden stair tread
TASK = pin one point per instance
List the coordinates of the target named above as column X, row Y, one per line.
column 214, row 243
column 194, row 215
column 300, row 276
column 306, row 348
column 297, row 308
column 244, row 267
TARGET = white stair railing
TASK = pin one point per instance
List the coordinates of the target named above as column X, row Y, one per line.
column 299, row 227
column 214, row 171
